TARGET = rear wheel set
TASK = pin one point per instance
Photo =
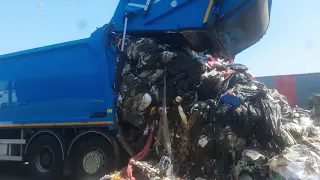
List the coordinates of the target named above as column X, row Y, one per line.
column 45, row 158
column 92, row 159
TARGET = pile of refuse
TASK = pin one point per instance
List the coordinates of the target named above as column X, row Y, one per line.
column 314, row 100
column 189, row 115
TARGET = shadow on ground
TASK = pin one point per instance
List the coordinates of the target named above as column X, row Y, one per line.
column 13, row 171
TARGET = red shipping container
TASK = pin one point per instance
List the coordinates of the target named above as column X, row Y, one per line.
column 286, row 85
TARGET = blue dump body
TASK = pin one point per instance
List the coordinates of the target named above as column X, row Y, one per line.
column 63, row 84
column 70, row 84
column 240, row 23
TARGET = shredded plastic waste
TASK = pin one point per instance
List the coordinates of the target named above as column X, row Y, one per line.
column 209, row 119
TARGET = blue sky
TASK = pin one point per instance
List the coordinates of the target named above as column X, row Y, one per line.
column 291, row 45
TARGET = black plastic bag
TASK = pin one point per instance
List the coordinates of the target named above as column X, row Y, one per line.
column 210, row 87
column 266, row 140
column 181, row 63
column 203, row 151
column 272, row 115
column 182, row 87
column 239, row 78
column 240, row 121
column 254, row 113
column 148, row 60
column 144, row 45
column 238, row 67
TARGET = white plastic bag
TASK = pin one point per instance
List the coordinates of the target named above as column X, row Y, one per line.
column 297, row 163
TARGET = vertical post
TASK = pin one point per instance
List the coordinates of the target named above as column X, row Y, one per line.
column 21, row 145
column 124, row 33
column 9, row 149
column 120, row 60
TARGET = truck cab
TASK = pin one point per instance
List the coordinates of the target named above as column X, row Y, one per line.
column 57, row 102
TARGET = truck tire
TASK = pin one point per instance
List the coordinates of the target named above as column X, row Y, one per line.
column 45, row 159
column 93, row 159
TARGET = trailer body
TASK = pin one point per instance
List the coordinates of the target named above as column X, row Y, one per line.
column 63, row 84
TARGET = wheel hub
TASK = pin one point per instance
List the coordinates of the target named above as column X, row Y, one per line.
column 93, row 161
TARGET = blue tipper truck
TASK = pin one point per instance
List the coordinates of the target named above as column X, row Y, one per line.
column 57, row 102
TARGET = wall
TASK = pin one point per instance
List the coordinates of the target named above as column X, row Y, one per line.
column 297, row 88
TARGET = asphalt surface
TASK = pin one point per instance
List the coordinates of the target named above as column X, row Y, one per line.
column 13, row 171
column 16, row 171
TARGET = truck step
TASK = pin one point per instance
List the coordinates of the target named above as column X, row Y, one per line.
column 12, row 141
column 10, row 158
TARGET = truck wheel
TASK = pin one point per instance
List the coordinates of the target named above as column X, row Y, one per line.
column 45, row 159
column 93, row 159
